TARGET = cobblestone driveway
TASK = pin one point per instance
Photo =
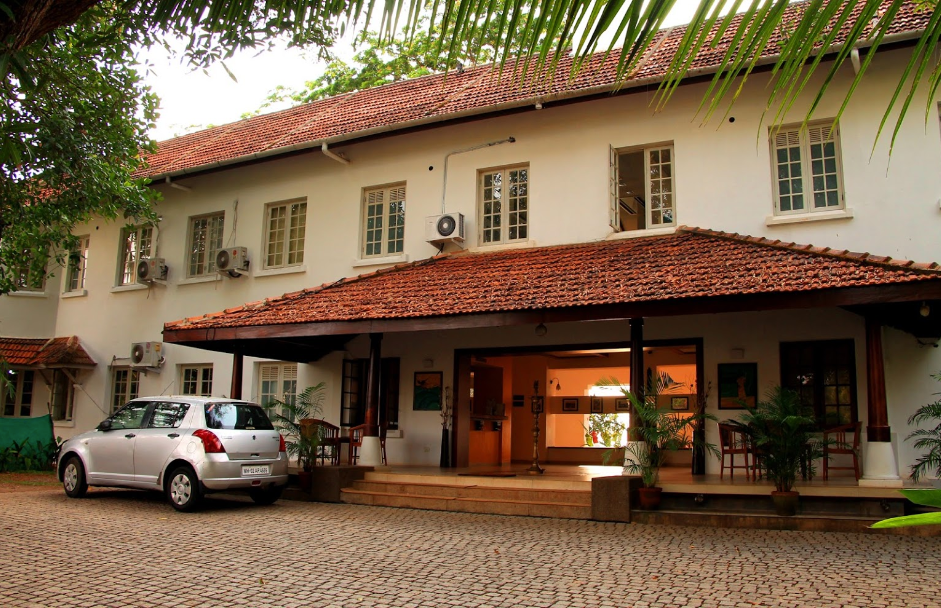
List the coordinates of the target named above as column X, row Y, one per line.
column 124, row 548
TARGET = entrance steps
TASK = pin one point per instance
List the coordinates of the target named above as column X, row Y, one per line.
column 473, row 494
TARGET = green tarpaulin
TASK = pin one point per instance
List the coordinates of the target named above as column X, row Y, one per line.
column 32, row 430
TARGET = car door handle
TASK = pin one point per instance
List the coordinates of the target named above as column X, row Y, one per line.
column 173, row 435
column 130, row 435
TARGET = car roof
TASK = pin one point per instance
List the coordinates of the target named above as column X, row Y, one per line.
column 193, row 399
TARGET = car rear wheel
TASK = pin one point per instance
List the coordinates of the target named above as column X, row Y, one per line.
column 266, row 496
column 73, row 478
column 183, row 489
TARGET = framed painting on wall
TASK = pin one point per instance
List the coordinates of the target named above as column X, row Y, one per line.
column 679, row 404
column 570, row 404
column 427, row 391
column 622, row 405
column 738, row 385
column 597, row 405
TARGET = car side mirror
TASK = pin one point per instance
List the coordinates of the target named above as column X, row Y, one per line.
column 105, row 425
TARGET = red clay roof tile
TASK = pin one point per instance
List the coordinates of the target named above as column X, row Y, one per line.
column 43, row 352
column 692, row 263
column 441, row 97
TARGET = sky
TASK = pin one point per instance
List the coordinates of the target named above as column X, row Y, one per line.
column 192, row 100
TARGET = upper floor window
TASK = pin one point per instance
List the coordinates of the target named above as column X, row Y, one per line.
column 503, row 205
column 196, row 380
column 806, row 167
column 31, row 272
column 17, row 399
column 284, row 241
column 75, row 272
column 136, row 243
column 643, row 190
column 205, row 239
column 125, row 385
column 383, row 221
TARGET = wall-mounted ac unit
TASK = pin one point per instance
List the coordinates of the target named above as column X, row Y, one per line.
column 151, row 269
column 146, row 354
column 232, row 261
column 445, row 228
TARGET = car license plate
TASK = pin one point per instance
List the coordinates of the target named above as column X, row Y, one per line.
column 250, row 470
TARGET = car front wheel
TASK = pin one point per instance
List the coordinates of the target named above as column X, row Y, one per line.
column 266, row 496
column 183, row 489
column 73, row 478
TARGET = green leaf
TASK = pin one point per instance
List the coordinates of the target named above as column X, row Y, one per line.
column 928, row 498
column 921, row 519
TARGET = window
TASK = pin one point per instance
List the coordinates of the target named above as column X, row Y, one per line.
column 63, row 396
column 284, row 244
column 823, row 373
column 125, row 385
column 136, row 243
column 383, row 221
column 75, row 272
column 31, row 273
column 236, row 416
column 205, row 239
column 168, row 415
column 353, row 398
column 18, row 401
column 806, row 166
column 131, row 416
column 196, row 380
column 643, row 191
column 277, row 382
column 503, row 210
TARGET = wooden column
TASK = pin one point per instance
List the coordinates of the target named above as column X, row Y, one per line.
column 637, row 357
column 878, row 427
column 238, row 360
column 373, row 386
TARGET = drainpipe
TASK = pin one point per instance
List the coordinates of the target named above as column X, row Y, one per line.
column 337, row 157
column 444, row 185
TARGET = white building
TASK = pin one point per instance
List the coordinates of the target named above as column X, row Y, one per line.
column 344, row 187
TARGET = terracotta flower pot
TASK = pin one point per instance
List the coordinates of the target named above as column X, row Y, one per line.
column 649, row 497
column 785, row 503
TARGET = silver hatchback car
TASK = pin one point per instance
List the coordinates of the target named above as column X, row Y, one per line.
column 185, row 447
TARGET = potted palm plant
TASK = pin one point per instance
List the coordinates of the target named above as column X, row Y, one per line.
column 657, row 432
column 300, row 438
column 785, row 434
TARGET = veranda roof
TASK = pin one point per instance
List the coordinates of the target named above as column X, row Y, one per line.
column 692, row 271
column 45, row 352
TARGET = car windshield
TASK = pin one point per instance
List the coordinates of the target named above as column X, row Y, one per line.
column 239, row 416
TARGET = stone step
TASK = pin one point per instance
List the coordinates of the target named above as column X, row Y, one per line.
column 493, row 506
column 518, row 481
column 576, row 497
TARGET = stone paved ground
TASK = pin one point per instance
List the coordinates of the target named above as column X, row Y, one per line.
column 130, row 549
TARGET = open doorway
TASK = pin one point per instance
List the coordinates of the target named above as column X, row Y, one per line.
column 582, row 390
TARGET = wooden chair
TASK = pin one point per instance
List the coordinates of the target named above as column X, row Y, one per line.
column 329, row 447
column 356, row 441
column 835, row 444
column 733, row 441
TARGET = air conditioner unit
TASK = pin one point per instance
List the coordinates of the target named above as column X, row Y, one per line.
column 445, row 228
column 232, row 261
column 151, row 269
column 146, row 354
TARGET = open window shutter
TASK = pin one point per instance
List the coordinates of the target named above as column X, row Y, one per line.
column 390, row 393
column 613, row 218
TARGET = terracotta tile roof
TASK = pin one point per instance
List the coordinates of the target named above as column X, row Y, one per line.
column 691, row 263
column 43, row 352
column 430, row 99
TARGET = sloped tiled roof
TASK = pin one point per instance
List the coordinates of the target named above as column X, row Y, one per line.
column 692, row 263
column 437, row 98
column 44, row 352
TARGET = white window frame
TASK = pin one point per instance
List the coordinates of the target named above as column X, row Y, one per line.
column 285, row 232
column 24, row 383
column 200, row 380
column 125, row 386
column 283, row 384
column 506, row 214
column 792, row 137
column 383, row 224
column 204, row 240
column 654, row 194
column 137, row 242
column 77, row 266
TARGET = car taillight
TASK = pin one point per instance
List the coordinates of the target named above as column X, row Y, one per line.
column 282, row 447
column 211, row 443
